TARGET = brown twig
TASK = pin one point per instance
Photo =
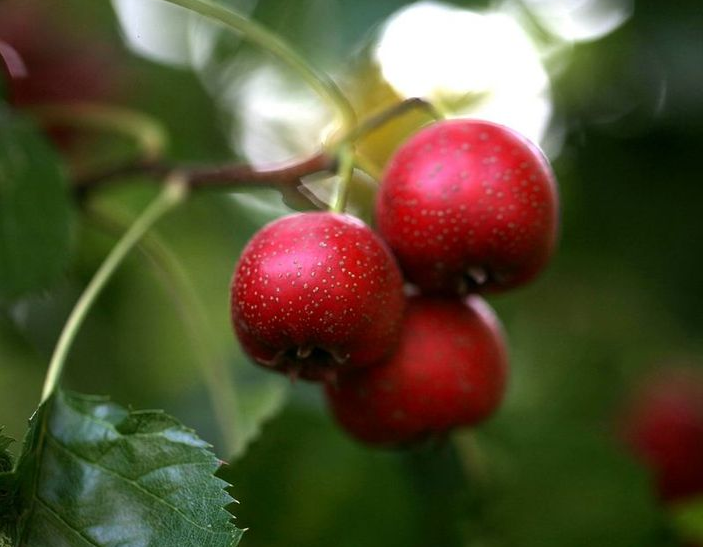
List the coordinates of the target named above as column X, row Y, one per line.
column 284, row 175
column 287, row 177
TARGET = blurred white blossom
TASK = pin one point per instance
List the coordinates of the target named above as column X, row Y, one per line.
column 444, row 53
column 278, row 119
column 169, row 34
column 580, row 20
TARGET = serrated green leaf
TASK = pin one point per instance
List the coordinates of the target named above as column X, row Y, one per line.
column 35, row 210
column 94, row 473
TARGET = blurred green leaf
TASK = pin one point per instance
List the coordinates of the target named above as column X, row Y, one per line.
column 556, row 483
column 94, row 473
column 22, row 370
column 688, row 519
column 258, row 403
column 299, row 24
column 304, row 484
column 35, row 212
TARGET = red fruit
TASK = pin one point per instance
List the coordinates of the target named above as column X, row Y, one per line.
column 664, row 428
column 49, row 59
column 449, row 370
column 468, row 205
column 316, row 292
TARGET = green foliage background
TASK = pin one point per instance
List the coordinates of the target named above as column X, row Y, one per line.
column 623, row 295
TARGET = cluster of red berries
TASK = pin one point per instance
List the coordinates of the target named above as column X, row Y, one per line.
column 464, row 207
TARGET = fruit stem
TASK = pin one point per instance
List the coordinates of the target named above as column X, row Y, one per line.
column 345, row 172
column 11, row 62
column 148, row 134
column 471, row 457
column 372, row 123
column 217, row 376
column 320, row 82
column 174, row 193
column 345, row 152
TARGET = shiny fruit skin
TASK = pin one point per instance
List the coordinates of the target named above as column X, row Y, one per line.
column 468, row 206
column 664, row 429
column 449, row 370
column 314, row 293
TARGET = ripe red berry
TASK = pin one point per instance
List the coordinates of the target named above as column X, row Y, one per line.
column 664, row 428
column 316, row 292
column 449, row 370
column 468, row 205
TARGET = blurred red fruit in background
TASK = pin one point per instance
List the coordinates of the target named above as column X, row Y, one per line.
column 50, row 59
column 663, row 425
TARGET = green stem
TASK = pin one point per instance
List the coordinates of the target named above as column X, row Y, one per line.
column 217, row 376
column 377, row 121
column 145, row 131
column 259, row 35
column 174, row 192
column 471, row 456
column 345, row 172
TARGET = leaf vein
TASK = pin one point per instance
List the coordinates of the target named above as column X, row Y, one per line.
column 63, row 521
column 131, row 482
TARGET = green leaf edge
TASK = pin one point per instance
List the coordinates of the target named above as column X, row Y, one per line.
column 13, row 483
column 687, row 518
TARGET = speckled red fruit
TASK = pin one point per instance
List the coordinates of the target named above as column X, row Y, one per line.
column 468, row 205
column 314, row 293
column 449, row 370
column 664, row 428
